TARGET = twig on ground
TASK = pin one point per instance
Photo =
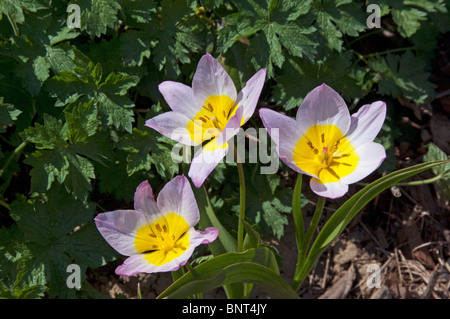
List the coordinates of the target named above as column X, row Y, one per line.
column 432, row 281
column 374, row 238
column 398, row 266
column 327, row 266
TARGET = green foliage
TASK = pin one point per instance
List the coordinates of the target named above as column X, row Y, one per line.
column 60, row 150
column 268, row 204
column 85, row 82
column 409, row 15
column 402, row 76
column 97, row 16
column 73, row 104
column 14, row 10
column 273, row 26
column 335, row 70
column 255, row 266
column 347, row 211
column 55, row 231
column 442, row 172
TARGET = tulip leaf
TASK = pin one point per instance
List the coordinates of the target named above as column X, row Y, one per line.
column 252, row 238
column 225, row 242
column 343, row 216
column 251, row 266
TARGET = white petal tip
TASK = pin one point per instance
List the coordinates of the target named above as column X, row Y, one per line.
column 328, row 190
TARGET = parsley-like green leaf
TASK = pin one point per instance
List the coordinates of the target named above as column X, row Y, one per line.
column 334, row 18
column 434, row 153
column 336, row 70
column 8, row 114
column 59, row 231
column 273, row 25
column 62, row 149
column 402, row 75
column 145, row 149
column 97, row 15
column 84, row 83
column 409, row 15
column 15, row 281
column 14, row 9
column 175, row 33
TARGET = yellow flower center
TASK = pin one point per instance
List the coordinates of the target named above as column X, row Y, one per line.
column 163, row 240
column 210, row 121
column 325, row 152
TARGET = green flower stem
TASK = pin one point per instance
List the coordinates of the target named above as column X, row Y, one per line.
column 139, row 293
column 13, row 25
column 298, row 276
column 313, row 224
column 389, row 51
column 422, row 182
column 297, row 213
column 188, row 266
column 5, row 204
column 240, row 239
column 11, row 157
column 368, row 34
column 247, row 288
column 412, row 183
column 242, row 207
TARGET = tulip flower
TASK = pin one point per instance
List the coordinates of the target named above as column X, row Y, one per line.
column 158, row 236
column 210, row 112
column 328, row 144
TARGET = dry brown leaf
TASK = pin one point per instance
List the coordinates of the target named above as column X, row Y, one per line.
column 341, row 288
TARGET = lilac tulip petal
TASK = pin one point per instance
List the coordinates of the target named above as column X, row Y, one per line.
column 172, row 125
column 371, row 155
column 177, row 197
column 180, row 98
column 158, row 236
column 323, row 106
column 119, row 229
column 366, row 123
column 205, row 160
column 248, row 97
column 329, row 190
column 206, row 237
column 144, row 200
column 285, row 132
column 210, row 79
column 139, row 264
